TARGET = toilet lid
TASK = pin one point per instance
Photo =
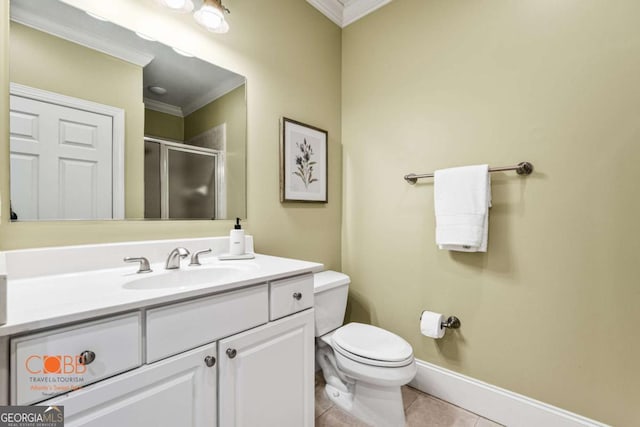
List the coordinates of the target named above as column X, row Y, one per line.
column 372, row 342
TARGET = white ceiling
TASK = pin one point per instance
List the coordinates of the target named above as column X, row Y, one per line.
column 345, row 12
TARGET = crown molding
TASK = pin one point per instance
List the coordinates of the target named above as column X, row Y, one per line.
column 205, row 99
column 29, row 19
column 162, row 107
column 332, row 9
column 357, row 9
column 346, row 12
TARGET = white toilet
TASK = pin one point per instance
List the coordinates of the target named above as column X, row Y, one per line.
column 364, row 366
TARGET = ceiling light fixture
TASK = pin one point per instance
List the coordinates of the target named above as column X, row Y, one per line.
column 183, row 6
column 211, row 16
column 158, row 90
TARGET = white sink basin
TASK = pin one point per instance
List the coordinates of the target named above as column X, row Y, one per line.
column 190, row 277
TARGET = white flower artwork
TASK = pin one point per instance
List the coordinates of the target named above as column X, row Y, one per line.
column 303, row 158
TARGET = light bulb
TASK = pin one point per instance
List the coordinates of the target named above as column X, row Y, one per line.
column 175, row 4
column 182, row 6
column 209, row 17
column 223, row 28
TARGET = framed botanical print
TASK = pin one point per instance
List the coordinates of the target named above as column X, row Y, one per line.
column 303, row 163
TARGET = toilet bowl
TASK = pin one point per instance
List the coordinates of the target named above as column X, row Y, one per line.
column 364, row 366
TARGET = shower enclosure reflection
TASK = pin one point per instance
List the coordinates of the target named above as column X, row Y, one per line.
column 183, row 182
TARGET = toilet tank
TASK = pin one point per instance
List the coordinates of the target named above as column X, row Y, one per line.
column 330, row 290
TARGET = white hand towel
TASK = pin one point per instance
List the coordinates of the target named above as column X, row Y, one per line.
column 462, row 197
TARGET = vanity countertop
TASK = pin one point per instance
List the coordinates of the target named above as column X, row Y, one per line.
column 47, row 301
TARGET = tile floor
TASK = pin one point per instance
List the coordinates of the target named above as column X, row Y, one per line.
column 422, row 410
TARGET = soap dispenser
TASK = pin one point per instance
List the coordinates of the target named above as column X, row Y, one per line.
column 236, row 239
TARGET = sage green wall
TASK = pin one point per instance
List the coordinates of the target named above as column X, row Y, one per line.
column 163, row 125
column 551, row 310
column 230, row 109
column 50, row 63
column 267, row 46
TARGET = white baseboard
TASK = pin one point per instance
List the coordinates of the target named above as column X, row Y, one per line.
column 495, row 403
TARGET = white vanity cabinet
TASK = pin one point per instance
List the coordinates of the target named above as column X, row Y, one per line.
column 179, row 391
column 243, row 357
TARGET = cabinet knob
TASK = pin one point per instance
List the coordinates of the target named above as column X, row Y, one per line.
column 297, row 296
column 86, row 357
column 231, row 352
column 210, row 361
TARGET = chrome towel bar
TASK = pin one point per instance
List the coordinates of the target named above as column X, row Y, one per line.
column 522, row 168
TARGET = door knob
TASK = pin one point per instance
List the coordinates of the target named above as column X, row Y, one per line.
column 231, row 352
column 86, row 357
column 210, row 361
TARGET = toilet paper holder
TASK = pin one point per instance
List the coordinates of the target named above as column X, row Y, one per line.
column 452, row 322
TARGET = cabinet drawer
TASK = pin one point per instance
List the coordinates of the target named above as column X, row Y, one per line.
column 178, row 327
column 50, row 363
column 289, row 296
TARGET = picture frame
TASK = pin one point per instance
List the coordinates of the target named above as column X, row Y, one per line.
column 303, row 162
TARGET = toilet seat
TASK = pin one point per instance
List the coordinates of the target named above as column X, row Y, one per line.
column 371, row 345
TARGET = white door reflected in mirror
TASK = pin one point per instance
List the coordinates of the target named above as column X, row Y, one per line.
column 63, row 158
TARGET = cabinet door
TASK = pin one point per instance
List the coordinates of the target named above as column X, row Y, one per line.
column 266, row 375
column 179, row 391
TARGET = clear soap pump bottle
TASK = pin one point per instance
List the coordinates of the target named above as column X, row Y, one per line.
column 236, row 239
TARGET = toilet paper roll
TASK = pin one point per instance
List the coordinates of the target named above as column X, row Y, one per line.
column 431, row 324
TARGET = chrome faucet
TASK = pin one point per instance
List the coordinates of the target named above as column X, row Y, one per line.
column 195, row 258
column 173, row 260
column 144, row 264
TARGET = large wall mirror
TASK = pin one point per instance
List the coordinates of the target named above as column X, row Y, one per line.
column 106, row 123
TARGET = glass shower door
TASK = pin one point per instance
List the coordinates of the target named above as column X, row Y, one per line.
column 191, row 184
column 183, row 181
